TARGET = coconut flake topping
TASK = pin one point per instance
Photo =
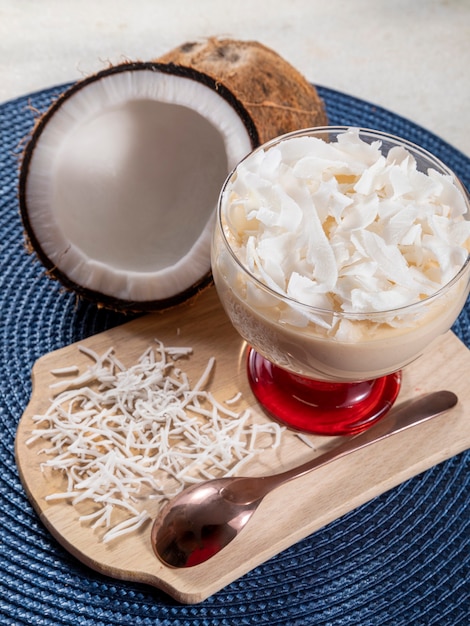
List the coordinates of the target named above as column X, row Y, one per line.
column 121, row 436
column 343, row 227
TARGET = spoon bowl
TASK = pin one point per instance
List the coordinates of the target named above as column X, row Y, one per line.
column 204, row 518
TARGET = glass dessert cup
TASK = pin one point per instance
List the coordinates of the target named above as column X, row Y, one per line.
column 320, row 370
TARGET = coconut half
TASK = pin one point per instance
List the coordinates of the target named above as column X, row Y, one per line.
column 121, row 177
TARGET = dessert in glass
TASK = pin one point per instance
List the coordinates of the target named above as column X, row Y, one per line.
column 339, row 254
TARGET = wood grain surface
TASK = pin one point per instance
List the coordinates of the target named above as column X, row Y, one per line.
column 287, row 515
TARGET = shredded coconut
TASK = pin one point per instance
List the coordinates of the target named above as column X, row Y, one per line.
column 121, row 435
column 308, row 442
column 65, row 371
column 342, row 227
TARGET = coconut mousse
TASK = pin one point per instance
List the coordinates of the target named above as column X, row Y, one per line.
column 342, row 257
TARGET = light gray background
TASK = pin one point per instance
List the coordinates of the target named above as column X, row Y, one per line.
column 410, row 56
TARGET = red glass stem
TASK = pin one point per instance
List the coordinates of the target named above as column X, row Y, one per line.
column 321, row 407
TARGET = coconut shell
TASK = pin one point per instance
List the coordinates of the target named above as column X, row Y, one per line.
column 33, row 245
column 268, row 94
column 277, row 97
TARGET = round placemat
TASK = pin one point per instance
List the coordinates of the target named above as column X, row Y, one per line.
column 401, row 559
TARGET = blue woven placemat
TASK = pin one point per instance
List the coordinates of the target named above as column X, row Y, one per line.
column 401, row 559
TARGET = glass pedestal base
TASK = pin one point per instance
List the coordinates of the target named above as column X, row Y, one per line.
column 320, row 407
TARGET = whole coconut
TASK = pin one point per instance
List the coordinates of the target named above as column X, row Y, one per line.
column 278, row 98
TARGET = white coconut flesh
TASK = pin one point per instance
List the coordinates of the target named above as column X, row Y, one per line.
column 123, row 182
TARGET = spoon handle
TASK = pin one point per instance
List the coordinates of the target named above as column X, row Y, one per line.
column 408, row 415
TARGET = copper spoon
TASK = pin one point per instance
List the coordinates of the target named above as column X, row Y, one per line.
column 201, row 520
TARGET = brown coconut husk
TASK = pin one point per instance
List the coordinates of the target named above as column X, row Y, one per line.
column 277, row 97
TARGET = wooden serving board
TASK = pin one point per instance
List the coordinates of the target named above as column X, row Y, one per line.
column 291, row 512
